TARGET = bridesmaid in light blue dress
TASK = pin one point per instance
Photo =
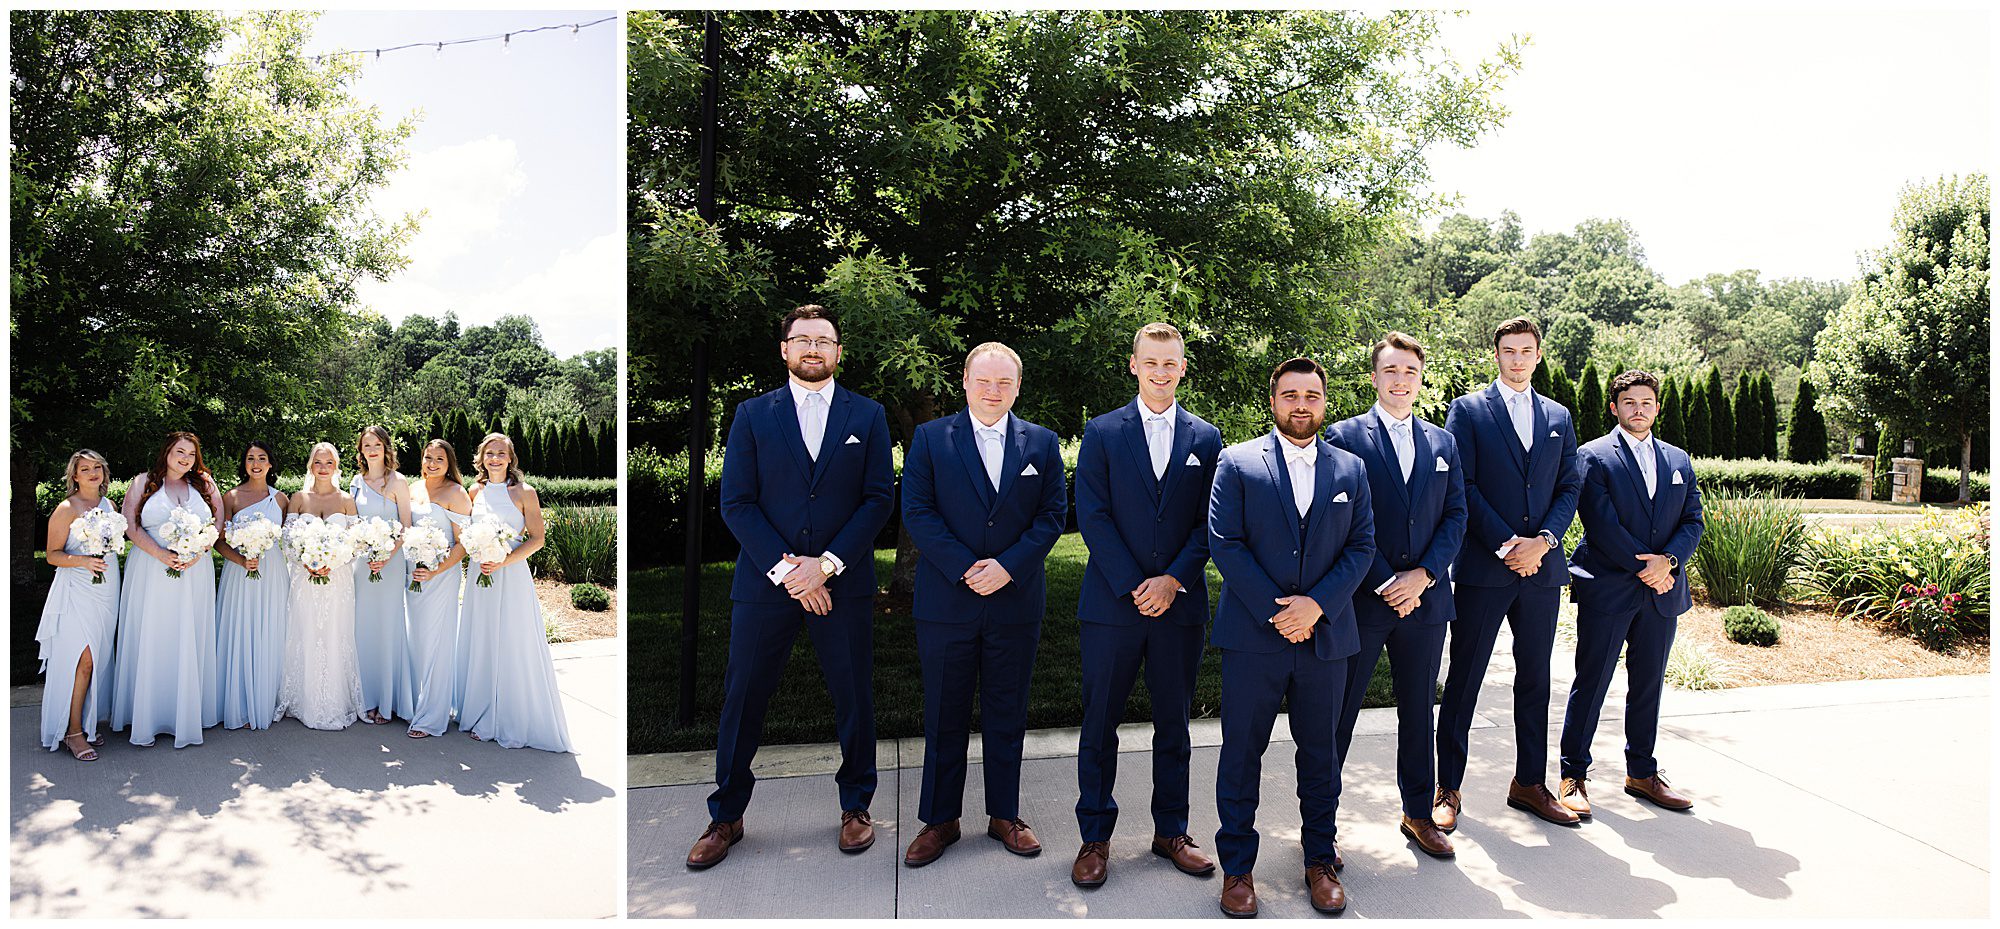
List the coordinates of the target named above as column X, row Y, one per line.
column 165, row 680
column 440, row 499
column 78, row 619
column 509, row 692
column 381, row 632
column 251, row 612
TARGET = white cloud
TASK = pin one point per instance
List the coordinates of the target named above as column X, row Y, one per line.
column 577, row 299
column 464, row 191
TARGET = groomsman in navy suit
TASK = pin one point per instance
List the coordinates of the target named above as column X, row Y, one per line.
column 1521, row 484
column 1641, row 522
column 1142, row 483
column 1418, row 490
column 983, row 499
column 1292, row 532
column 806, row 487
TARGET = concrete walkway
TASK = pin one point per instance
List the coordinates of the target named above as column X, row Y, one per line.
column 363, row 822
column 1865, row 799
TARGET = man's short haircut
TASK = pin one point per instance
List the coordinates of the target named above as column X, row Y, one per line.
column 809, row 311
column 995, row 348
column 1395, row 339
column 1516, row 326
column 1297, row 366
column 1158, row 332
column 1631, row 379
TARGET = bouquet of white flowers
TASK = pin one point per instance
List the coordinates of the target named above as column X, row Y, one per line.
column 187, row 535
column 99, row 533
column 425, row 544
column 252, row 536
column 375, row 540
column 319, row 545
column 488, row 539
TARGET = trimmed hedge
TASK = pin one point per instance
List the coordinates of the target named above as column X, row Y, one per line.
column 1830, row 480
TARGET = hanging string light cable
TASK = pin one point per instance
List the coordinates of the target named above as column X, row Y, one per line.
column 506, row 40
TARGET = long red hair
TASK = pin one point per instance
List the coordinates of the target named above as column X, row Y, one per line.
column 197, row 476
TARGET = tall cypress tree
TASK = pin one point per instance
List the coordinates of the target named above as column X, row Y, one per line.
column 1808, row 439
column 1744, row 410
column 1671, row 418
column 1562, row 391
column 1769, row 396
column 1592, row 416
column 1722, row 421
column 1540, row 383
column 1700, row 420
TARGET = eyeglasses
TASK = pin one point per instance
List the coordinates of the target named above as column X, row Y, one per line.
column 800, row 341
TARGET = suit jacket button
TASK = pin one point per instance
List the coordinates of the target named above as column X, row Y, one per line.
column 1295, row 588
column 1405, row 556
column 989, row 523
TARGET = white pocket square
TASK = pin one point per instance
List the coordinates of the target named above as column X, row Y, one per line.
column 1677, row 478
column 1192, row 461
column 1340, row 497
column 1029, row 471
column 1442, row 465
column 1553, row 435
column 851, row 440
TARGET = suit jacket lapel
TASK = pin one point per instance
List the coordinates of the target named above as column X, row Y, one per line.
column 1635, row 481
column 1134, row 428
column 1420, row 473
column 1281, row 478
column 1505, row 422
column 1015, row 452
column 836, row 433
column 1663, row 473
column 788, row 425
column 1385, row 448
column 1541, row 421
column 1177, row 458
column 967, row 441
column 1322, row 487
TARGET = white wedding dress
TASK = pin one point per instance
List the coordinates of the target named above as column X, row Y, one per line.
column 322, row 683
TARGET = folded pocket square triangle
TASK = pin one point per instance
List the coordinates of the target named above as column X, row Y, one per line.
column 1443, row 465
column 1029, row 471
column 852, row 440
column 1552, row 434
column 1340, row 497
column 1677, row 477
column 1192, row 461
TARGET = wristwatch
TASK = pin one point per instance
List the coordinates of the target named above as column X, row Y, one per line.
column 1673, row 564
column 826, row 566
column 1550, row 538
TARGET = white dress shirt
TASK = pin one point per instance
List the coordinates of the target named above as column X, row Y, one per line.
column 992, row 447
column 1400, row 437
column 1642, row 450
column 1520, row 408
column 812, row 406
column 1299, row 463
column 1159, row 434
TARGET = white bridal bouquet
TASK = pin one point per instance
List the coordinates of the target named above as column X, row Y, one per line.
column 425, row 544
column 319, row 545
column 99, row 533
column 375, row 540
column 252, row 536
column 187, row 535
column 488, row 539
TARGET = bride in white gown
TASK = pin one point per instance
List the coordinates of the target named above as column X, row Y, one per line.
column 322, row 682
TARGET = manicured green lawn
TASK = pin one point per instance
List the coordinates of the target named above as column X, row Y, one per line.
column 801, row 712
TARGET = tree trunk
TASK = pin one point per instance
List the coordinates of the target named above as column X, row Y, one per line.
column 21, row 517
column 1964, row 468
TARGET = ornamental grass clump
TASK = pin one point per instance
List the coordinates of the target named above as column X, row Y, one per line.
column 1909, row 576
column 1749, row 545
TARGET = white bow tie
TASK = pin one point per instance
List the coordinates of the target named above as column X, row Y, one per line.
column 1301, row 455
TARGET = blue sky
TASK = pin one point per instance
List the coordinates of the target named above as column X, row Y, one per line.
column 518, row 157
column 1773, row 140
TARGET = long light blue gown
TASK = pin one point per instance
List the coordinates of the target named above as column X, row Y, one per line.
column 165, row 673
column 77, row 615
column 433, row 615
column 509, row 692
column 250, row 629
column 381, row 632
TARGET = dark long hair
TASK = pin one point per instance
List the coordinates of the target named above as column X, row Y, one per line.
column 450, row 460
column 271, row 475
column 198, row 477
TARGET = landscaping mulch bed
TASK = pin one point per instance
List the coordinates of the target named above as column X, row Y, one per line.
column 1816, row 645
column 576, row 625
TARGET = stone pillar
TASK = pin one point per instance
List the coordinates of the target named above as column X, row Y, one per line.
column 1867, row 464
column 1906, row 476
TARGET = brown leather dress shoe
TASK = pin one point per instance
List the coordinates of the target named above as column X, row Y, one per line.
column 713, row 846
column 856, row 831
column 1444, row 809
column 1539, row 801
column 1239, row 895
column 1655, row 789
column 1089, row 868
column 1015, row 835
column 931, row 842
column 1181, row 850
column 1429, row 838
column 1574, row 796
column 1323, row 886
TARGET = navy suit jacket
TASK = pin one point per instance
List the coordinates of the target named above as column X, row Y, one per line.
column 1138, row 526
column 778, row 500
column 1619, row 523
column 1419, row 523
column 1257, row 544
column 953, row 514
column 1509, row 492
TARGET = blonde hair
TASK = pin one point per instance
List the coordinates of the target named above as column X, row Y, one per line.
column 388, row 449
column 513, row 459
column 1158, row 332
column 317, row 446
column 996, row 348
column 69, row 470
